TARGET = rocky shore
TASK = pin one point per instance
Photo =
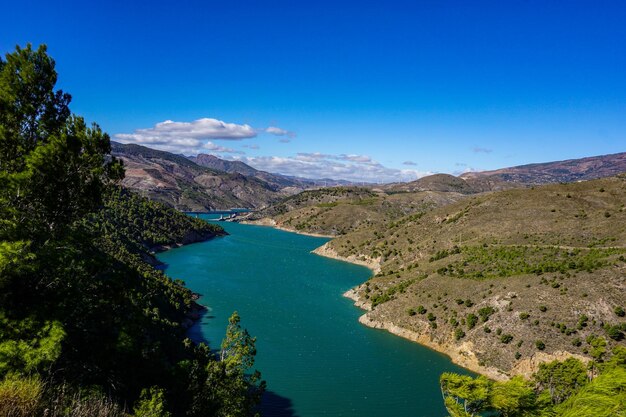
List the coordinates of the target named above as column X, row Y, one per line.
column 327, row 251
column 462, row 354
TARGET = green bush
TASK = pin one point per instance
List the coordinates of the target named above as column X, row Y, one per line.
column 471, row 321
column 459, row 334
column 20, row 397
column 151, row 404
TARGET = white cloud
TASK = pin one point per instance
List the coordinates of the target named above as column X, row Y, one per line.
column 355, row 168
column 280, row 132
column 411, row 163
column 201, row 129
column 193, row 137
column 210, row 146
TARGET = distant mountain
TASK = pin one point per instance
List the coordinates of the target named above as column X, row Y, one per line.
column 278, row 180
column 275, row 180
column 185, row 185
column 570, row 170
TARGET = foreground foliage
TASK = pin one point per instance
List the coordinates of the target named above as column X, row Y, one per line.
column 88, row 327
column 558, row 389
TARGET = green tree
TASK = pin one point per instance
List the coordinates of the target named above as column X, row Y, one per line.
column 151, row 404
column 80, row 304
column 464, row 396
column 559, row 380
column 605, row 396
column 513, row 397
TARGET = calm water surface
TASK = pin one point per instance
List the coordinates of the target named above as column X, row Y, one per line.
column 315, row 356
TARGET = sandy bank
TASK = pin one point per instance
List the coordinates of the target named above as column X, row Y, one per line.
column 327, row 251
column 266, row 221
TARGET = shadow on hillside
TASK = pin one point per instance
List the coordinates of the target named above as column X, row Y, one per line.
column 274, row 405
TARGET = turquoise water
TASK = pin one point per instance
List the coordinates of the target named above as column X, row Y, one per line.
column 315, row 356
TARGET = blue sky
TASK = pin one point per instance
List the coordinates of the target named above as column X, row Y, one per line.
column 358, row 90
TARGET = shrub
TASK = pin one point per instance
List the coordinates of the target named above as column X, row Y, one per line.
column 459, row 334
column 523, row 316
column 20, row 397
column 543, row 309
column 614, row 332
column 619, row 311
column 486, row 312
column 540, row 345
column 506, row 338
column 151, row 404
column 471, row 321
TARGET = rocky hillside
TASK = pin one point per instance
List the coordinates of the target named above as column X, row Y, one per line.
column 437, row 182
column 277, row 181
column 554, row 172
column 518, row 177
column 504, row 280
column 181, row 183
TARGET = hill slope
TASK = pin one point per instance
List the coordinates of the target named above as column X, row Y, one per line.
column 560, row 171
column 277, row 181
column 180, row 183
column 340, row 210
column 544, row 267
column 520, row 176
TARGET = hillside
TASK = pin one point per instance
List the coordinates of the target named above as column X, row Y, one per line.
column 501, row 280
column 341, row 210
column 276, row 181
column 570, row 170
column 285, row 183
column 179, row 182
column 88, row 327
column 437, row 182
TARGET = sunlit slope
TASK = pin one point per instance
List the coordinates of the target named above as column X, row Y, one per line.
column 544, row 268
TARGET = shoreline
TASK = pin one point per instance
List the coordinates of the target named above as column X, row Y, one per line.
column 266, row 221
column 196, row 310
column 462, row 354
column 326, row 251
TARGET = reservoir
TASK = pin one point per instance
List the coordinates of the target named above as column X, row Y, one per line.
column 317, row 359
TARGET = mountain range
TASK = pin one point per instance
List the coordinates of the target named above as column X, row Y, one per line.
column 206, row 182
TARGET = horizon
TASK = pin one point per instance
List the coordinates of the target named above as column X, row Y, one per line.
column 459, row 175
column 344, row 91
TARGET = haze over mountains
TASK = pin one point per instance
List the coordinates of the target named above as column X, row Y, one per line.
column 206, row 182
